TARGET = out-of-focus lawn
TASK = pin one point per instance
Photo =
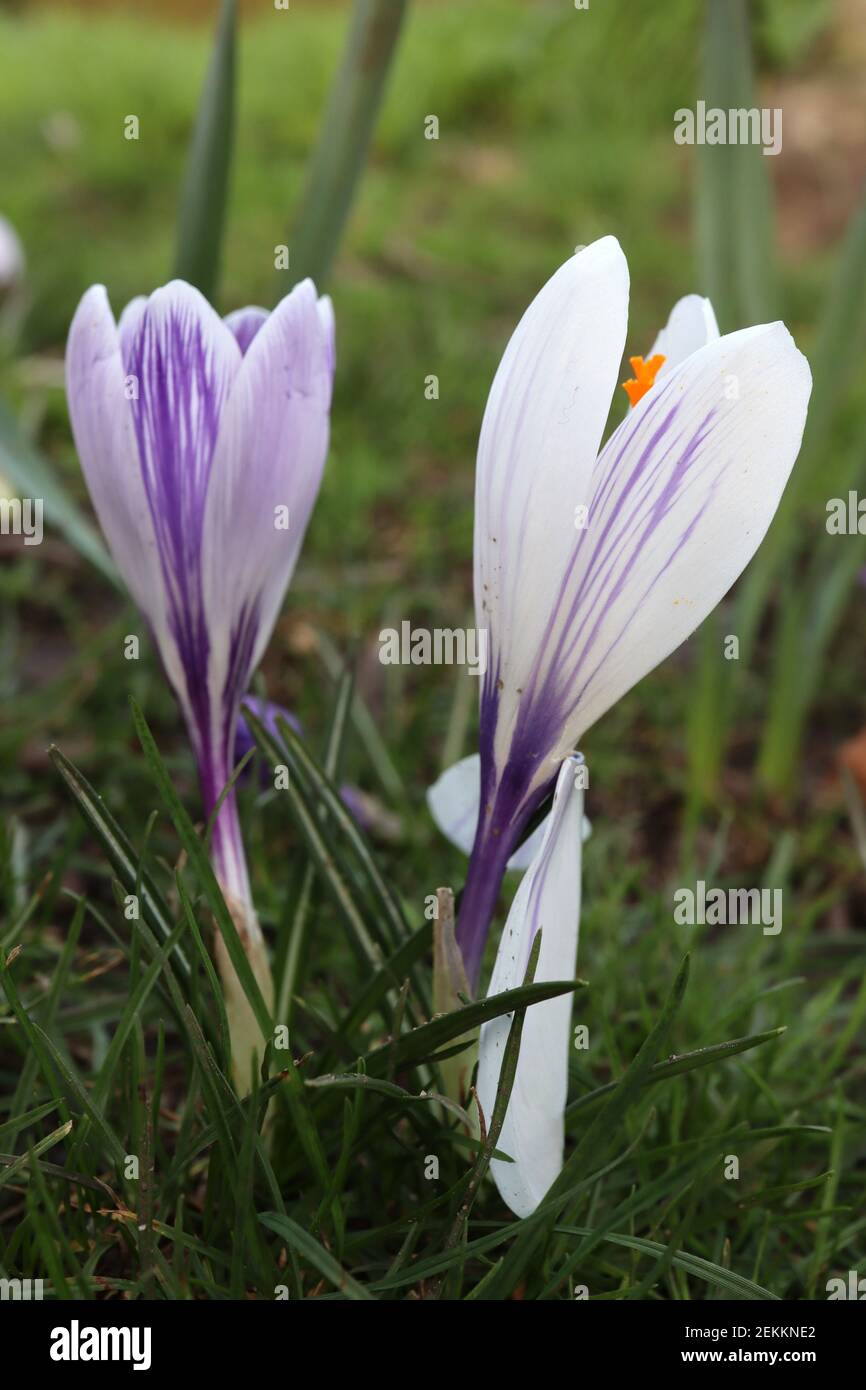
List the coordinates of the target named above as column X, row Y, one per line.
column 555, row 126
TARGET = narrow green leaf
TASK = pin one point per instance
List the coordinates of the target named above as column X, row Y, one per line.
column 18, row 1166
column 735, row 237
column 420, row 1044
column 206, row 877
column 205, row 188
column 734, row 1285
column 346, row 131
column 120, row 852
column 318, row 1257
column 686, row 1062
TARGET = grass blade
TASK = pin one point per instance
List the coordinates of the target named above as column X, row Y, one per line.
column 205, row 188
column 345, row 134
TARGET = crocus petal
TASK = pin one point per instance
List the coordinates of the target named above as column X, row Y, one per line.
column 267, row 714
column 128, row 323
column 245, row 324
column 12, row 262
column 454, row 801
column 692, row 324
column 102, row 425
column 683, row 494
column 269, row 460
column 542, row 426
column 326, row 317
column 548, row 900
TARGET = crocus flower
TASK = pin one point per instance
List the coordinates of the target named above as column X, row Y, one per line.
column 547, row 900
column 203, row 442
column 591, row 567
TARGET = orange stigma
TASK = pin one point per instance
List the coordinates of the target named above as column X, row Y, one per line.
column 645, row 374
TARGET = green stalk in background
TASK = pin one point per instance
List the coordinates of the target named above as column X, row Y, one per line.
column 205, row 189
column 344, row 137
column 734, row 218
column 735, row 236
column 734, row 199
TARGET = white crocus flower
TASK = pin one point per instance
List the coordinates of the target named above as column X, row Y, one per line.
column 591, row 567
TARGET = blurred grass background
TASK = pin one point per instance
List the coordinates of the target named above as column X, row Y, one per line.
column 556, row 127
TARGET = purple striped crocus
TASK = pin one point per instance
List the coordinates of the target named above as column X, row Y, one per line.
column 591, row 567
column 203, row 442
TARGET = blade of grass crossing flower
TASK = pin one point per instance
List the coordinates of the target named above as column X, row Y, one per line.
column 338, row 883
column 508, row 1071
column 324, row 787
column 419, row 1045
column 385, row 906
column 287, row 964
column 211, row 975
column 346, row 131
column 206, row 877
column 205, row 188
column 596, row 1139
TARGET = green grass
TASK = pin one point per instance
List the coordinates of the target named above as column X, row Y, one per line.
column 554, row 129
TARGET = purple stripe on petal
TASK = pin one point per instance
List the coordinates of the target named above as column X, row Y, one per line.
column 184, row 362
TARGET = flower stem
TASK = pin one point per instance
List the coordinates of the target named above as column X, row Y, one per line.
column 230, row 867
column 490, row 854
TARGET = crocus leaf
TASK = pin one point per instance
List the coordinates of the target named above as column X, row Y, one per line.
column 205, row 188
column 734, row 199
column 346, row 131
